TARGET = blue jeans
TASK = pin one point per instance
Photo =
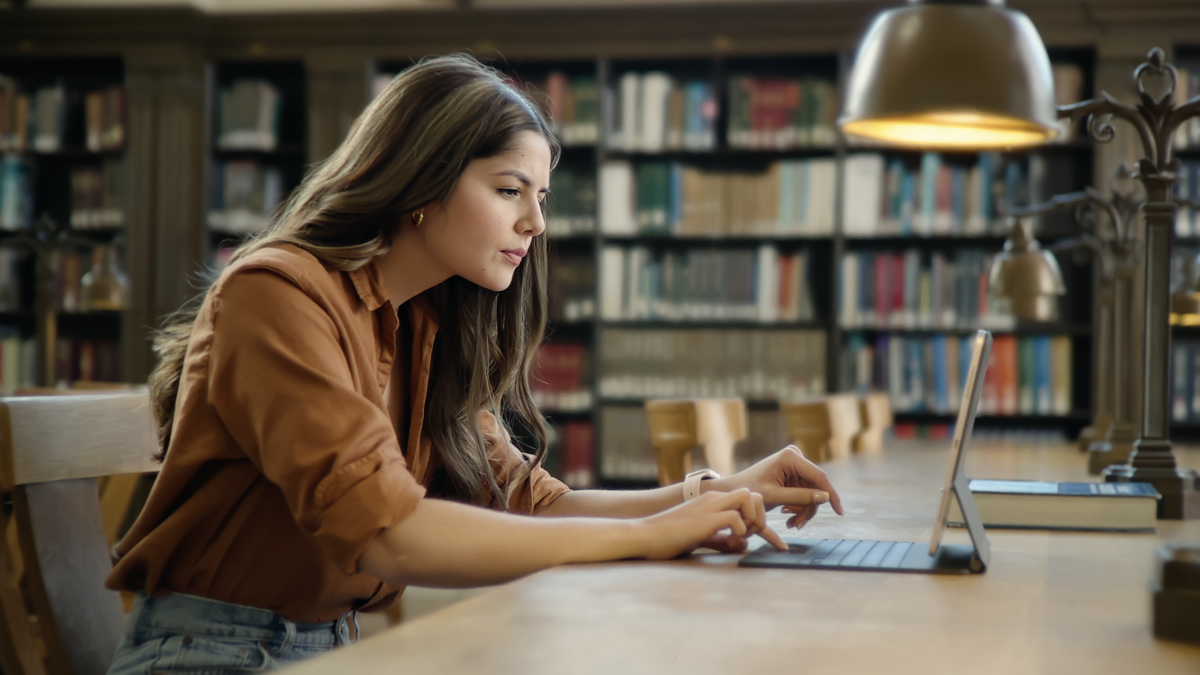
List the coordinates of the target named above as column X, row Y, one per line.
column 185, row 633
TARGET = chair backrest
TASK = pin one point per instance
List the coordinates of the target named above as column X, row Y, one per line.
column 875, row 410
column 679, row 425
column 52, row 448
column 825, row 428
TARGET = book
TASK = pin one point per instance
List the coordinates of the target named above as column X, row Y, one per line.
column 1022, row 504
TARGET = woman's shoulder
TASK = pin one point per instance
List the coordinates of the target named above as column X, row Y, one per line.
column 287, row 260
column 303, row 271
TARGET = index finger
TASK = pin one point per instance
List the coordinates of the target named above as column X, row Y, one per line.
column 816, row 478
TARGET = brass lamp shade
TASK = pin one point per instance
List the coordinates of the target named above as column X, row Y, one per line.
column 956, row 76
column 1028, row 277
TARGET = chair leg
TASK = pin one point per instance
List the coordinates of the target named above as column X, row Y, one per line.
column 673, row 463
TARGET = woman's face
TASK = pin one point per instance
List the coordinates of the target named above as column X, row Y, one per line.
column 484, row 229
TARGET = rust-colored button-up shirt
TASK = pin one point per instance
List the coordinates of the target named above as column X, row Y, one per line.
column 285, row 459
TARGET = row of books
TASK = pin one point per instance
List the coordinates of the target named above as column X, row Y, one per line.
column 918, row 289
column 572, row 287
column 1185, row 380
column 655, row 112
column 247, row 116
column 570, row 456
column 50, row 118
column 627, row 454
column 1187, row 86
column 1187, row 220
column 561, row 379
column 752, row 364
column 87, row 360
column 791, row 198
column 98, row 196
column 18, row 362
column 573, row 104
column 781, row 113
column 16, row 193
column 243, row 196
column 14, row 266
column 981, row 433
column 756, row 285
column 1025, row 375
column 572, row 202
column 889, row 197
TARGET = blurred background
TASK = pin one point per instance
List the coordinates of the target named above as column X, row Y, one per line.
column 712, row 233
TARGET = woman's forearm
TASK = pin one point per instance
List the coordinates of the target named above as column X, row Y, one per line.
column 451, row 545
column 614, row 503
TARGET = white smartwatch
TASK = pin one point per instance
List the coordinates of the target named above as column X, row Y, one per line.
column 691, row 483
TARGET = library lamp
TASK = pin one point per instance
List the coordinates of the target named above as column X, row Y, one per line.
column 1185, row 302
column 951, row 75
column 1027, row 276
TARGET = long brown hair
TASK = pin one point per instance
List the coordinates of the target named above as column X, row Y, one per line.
column 407, row 150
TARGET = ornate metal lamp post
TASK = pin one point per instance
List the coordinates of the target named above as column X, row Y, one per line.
column 1108, row 234
column 1155, row 121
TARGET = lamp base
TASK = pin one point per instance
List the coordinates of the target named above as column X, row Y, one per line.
column 1153, row 463
column 1094, row 432
column 1114, row 449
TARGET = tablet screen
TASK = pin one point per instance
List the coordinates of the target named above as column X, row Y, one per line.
column 981, row 347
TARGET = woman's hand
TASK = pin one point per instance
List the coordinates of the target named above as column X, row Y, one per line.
column 785, row 478
column 701, row 522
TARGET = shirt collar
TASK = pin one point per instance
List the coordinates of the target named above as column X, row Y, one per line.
column 368, row 282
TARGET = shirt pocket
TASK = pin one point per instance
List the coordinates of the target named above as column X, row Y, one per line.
column 210, row 656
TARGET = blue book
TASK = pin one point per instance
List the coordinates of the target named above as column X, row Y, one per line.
column 985, row 195
column 1026, row 504
column 908, row 193
column 1043, row 373
column 941, row 388
column 915, row 367
column 930, row 163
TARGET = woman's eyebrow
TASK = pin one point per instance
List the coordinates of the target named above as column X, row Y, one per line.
column 519, row 176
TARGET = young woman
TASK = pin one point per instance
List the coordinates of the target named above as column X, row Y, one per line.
column 331, row 414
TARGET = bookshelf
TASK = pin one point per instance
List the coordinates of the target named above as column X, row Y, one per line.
column 721, row 265
column 257, row 132
column 63, row 205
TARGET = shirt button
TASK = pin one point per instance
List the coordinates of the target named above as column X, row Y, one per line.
column 187, row 640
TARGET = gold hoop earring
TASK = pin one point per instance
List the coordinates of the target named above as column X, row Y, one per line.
column 417, row 218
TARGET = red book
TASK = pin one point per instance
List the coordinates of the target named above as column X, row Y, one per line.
column 883, row 298
column 897, row 286
column 577, row 454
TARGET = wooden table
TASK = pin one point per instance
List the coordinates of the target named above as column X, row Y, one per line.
column 1051, row 602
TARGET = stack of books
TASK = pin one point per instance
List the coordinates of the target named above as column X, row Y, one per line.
column 791, row 198
column 98, row 196
column 760, row 365
column 655, row 112
column 760, row 285
column 781, row 114
column 248, row 113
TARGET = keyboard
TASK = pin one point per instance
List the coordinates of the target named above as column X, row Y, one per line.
column 863, row 555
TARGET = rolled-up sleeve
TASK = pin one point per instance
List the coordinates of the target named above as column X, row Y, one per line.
column 281, row 383
column 535, row 492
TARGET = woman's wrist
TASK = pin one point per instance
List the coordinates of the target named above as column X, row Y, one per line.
column 722, row 484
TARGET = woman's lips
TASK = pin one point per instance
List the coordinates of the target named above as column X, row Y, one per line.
column 515, row 255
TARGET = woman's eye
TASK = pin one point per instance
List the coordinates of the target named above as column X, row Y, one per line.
column 510, row 192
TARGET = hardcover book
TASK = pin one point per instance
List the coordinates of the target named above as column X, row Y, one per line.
column 1024, row 504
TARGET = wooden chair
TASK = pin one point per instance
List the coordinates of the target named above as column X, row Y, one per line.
column 679, row 425
column 52, row 449
column 876, row 413
column 825, row 428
